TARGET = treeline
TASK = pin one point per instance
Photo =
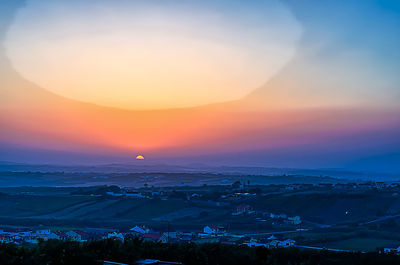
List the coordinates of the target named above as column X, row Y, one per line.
column 54, row 252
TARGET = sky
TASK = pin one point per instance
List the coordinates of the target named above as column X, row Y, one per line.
column 305, row 84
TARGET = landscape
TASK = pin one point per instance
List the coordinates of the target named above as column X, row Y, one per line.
column 199, row 132
column 314, row 213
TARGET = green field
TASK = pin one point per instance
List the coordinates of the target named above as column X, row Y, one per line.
column 362, row 244
column 92, row 207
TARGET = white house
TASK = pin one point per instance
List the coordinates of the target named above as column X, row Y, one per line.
column 277, row 216
column 116, row 236
column 296, row 220
column 51, row 236
column 25, row 234
column 42, row 232
column 210, row 229
column 286, row 243
column 140, row 229
column 75, row 236
column 134, row 195
column 213, row 229
column 111, row 193
column 388, row 250
column 254, row 243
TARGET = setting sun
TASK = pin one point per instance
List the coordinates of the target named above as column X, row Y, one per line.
column 139, row 157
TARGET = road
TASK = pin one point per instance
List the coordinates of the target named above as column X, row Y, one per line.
column 329, row 249
column 272, row 233
column 383, row 218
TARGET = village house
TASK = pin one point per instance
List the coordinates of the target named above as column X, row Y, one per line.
column 213, row 230
column 134, row 195
column 277, row 216
column 380, row 184
column 270, row 242
column 61, row 235
column 140, row 229
column 275, row 243
column 295, row 220
column 152, row 237
column 254, row 243
column 392, row 250
column 243, row 209
column 49, row 236
column 43, row 232
column 168, row 237
column 186, row 237
column 287, row 243
column 76, row 235
column 116, row 236
column 111, row 193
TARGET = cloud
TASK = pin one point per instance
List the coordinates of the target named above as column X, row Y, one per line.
column 151, row 54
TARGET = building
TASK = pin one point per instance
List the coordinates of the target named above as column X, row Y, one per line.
column 243, row 209
column 140, row 229
column 116, row 236
column 152, row 237
column 295, row 220
column 168, row 237
column 76, row 235
column 277, row 216
column 287, row 243
column 391, row 250
column 62, row 235
column 254, row 243
column 43, row 232
column 213, row 230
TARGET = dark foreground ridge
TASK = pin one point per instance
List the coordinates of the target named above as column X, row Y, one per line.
column 132, row 250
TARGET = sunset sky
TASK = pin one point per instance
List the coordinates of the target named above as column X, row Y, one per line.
column 305, row 84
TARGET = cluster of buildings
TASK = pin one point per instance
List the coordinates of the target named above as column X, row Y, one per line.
column 209, row 233
column 293, row 220
column 22, row 235
column 369, row 185
column 245, row 209
column 270, row 242
column 392, row 250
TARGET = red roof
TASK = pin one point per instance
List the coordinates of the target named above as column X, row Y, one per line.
column 61, row 234
column 153, row 236
column 80, row 232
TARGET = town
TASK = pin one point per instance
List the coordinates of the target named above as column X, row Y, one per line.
column 210, row 234
column 330, row 214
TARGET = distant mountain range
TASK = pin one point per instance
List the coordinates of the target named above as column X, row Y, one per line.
column 140, row 167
